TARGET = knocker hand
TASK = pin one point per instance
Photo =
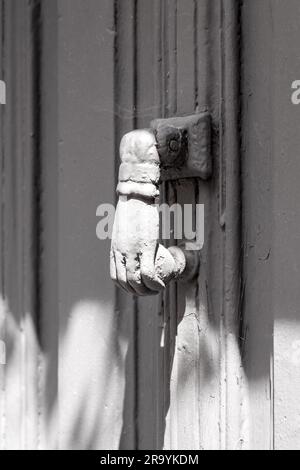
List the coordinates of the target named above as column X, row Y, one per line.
column 138, row 263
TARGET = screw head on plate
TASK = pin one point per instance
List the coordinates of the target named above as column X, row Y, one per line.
column 184, row 146
column 172, row 146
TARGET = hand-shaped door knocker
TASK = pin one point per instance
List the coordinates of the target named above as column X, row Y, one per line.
column 174, row 148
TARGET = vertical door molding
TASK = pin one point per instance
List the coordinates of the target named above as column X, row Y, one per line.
column 236, row 394
column 190, row 390
column 20, row 416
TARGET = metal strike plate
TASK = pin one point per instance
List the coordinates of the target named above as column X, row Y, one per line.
column 184, row 146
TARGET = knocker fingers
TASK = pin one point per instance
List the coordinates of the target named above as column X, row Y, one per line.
column 134, row 278
column 149, row 275
column 121, row 275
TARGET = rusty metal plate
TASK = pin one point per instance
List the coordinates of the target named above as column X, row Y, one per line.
column 184, row 146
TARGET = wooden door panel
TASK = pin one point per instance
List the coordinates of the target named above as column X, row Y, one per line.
column 211, row 364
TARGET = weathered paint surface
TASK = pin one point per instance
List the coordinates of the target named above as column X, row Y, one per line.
column 90, row 371
column 211, row 364
column 187, row 344
column 20, row 376
column 271, row 221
